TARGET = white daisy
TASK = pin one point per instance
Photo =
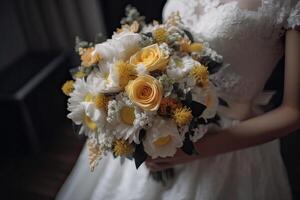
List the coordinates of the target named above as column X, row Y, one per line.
column 84, row 109
column 179, row 68
column 126, row 119
column 162, row 139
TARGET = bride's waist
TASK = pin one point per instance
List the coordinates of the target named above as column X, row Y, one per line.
column 237, row 111
column 242, row 110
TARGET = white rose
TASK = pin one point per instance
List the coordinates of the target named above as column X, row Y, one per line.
column 162, row 139
column 120, row 47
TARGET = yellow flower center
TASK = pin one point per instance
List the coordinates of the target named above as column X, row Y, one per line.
column 100, row 100
column 89, row 123
column 122, row 148
column 162, row 141
column 88, row 97
column 127, row 115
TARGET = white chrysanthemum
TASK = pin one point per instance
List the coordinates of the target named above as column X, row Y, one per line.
column 120, row 47
column 162, row 139
column 83, row 109
column 199, row 132
column 126, row 119
column 107, row 78
column 179, row 68
column 208, row 97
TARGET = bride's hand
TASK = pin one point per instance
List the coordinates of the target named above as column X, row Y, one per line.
column 160, row 164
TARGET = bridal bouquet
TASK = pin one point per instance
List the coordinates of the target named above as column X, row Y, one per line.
column 145, row 92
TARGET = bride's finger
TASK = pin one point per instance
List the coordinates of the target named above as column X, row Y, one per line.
column 161, row 167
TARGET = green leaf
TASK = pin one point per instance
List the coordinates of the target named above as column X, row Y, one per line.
column 213, row 66
column 197, row 108
column 215, row 120
column 178, row 91
column 139, row 155
column 189, row 98
column 189, row 34
column 142, row 135
column 188, row 146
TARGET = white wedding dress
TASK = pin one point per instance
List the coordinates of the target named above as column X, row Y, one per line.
column 251, row 41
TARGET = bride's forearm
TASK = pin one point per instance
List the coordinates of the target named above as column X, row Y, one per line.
column 258, row 130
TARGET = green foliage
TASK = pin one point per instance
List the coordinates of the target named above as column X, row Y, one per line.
column 131, row 15
column 212, row 65
column 188, row 146
column 189, row 35
column 81, row 44
column 139, row 155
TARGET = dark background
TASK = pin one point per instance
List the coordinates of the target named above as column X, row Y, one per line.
column 38, row 147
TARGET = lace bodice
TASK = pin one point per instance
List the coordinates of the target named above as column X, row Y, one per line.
column 250, row 40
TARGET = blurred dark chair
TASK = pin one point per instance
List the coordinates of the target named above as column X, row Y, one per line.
column 31, row 103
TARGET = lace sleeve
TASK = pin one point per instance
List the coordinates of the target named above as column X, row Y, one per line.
column 293, row 20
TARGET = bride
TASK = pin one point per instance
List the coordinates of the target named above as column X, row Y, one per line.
column 243, row 160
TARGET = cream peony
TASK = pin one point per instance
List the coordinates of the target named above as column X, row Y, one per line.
column 162, row 139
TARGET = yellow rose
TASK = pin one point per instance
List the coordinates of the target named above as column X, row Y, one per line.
column 146, row 92
column 89, row 58
column 151, row 57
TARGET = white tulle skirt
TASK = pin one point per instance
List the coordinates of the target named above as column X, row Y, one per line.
column 250, row 174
